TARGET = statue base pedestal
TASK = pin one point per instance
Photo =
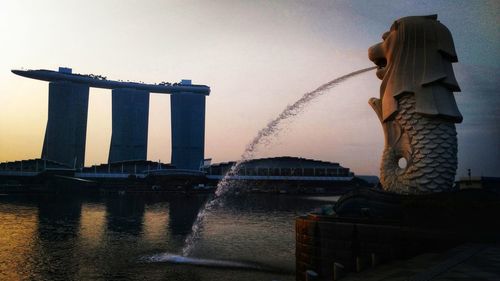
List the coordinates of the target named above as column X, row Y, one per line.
column 373, row 227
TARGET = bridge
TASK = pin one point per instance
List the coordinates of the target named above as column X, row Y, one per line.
column 65, row 134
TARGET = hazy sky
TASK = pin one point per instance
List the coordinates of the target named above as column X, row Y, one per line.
column 257, row 57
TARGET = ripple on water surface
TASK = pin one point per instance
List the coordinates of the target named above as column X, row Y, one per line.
column 61, row 238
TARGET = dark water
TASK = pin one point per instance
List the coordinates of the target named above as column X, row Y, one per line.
column 108, row 237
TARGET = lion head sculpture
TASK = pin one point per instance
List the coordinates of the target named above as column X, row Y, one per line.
column 415, row 57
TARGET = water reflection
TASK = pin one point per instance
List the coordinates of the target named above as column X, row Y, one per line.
column 18, row 226
column 124, row 214
column 58, row 218
column 183, row 213
column 155, row 220
column 102, row 238
column 58, row 227
column 92, row 224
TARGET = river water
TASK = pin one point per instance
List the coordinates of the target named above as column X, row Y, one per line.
column 110, row 237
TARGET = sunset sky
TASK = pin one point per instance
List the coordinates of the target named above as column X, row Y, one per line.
column 257, row 57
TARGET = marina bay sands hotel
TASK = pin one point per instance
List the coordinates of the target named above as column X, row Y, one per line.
column 66, row 131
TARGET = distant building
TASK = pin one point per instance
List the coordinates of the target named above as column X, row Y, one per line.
column 130, row 167
column 478, row 182
column 66, row 131
column 130, row 120
column 31, row 171
column 288, row 174
column 31, row 165
column 372, row 180
column 284, row 166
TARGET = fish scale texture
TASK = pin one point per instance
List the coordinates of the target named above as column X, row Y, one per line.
column 432, row 153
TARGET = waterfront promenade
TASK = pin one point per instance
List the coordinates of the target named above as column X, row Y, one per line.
column 474, row 262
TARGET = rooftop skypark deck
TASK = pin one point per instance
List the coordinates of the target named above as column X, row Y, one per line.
column 98, row 81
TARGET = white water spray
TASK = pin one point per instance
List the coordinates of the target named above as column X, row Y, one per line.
column 262, row 137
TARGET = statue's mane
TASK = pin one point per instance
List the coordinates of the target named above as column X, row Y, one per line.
column 419, row 61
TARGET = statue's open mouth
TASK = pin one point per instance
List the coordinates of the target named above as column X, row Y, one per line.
column 377, row 56
column 381, row 64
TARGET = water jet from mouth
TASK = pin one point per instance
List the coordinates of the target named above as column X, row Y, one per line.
column 264, row 136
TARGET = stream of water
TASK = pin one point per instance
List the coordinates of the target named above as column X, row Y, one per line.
column 264, row 136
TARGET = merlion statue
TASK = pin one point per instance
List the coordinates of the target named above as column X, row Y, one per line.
column 417, row 107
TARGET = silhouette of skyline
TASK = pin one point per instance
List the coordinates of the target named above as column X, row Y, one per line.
column 257, row 57
column 66, row 132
